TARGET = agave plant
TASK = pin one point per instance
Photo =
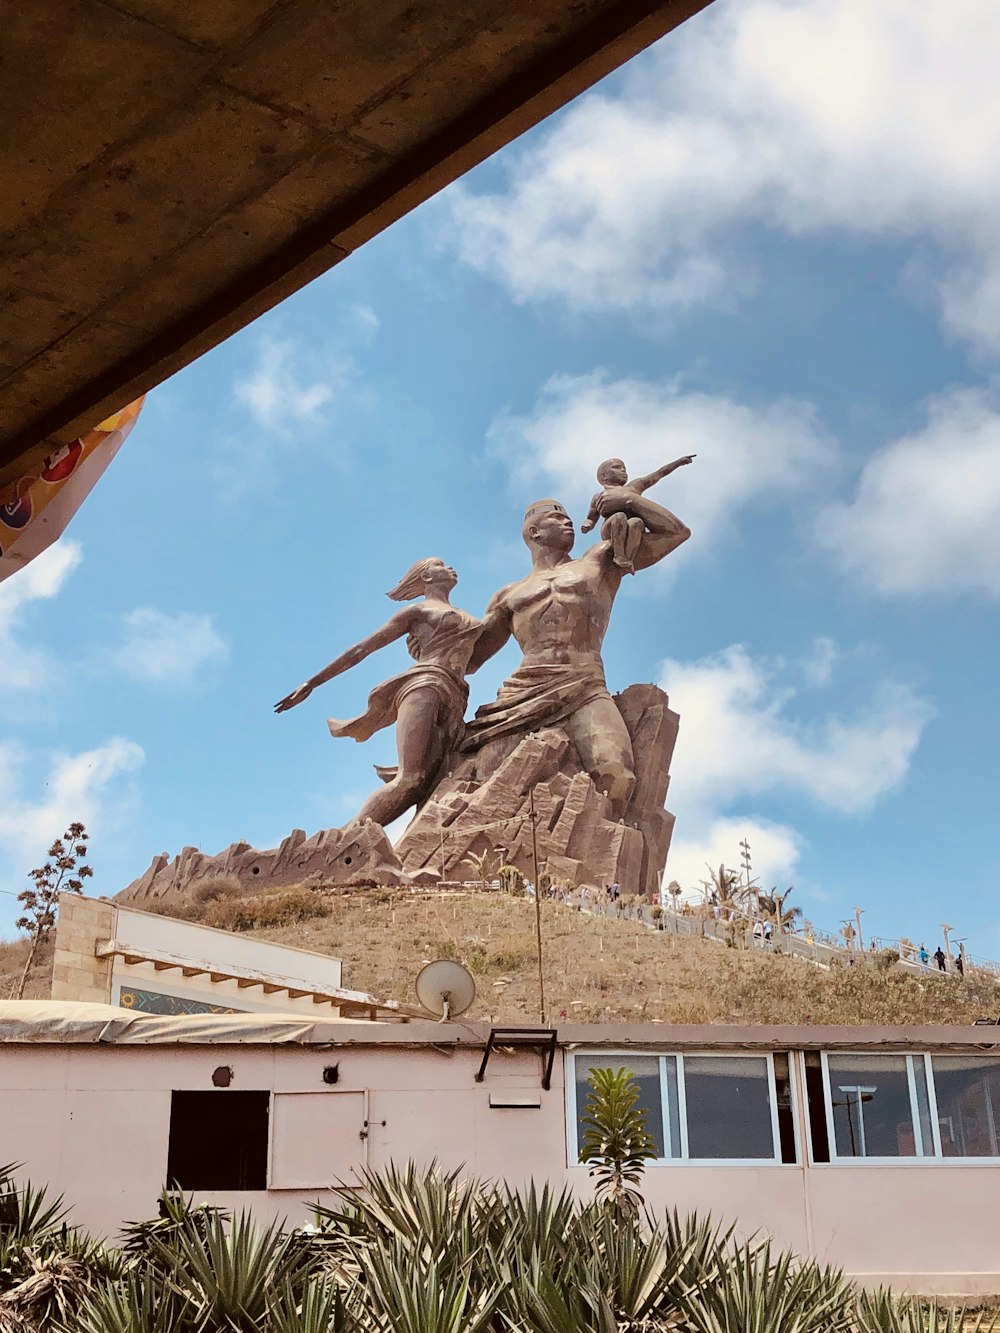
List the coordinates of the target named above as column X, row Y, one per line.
column 230, row 1272
column 754, row 1293
column 46, row 1266
column 407, row 1291
column 427, row 1212
column 143, row 1302
column 27, row 1213
column 881, row 1312
column 316, row 1307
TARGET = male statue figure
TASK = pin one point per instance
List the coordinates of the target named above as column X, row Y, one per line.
column 559, row 615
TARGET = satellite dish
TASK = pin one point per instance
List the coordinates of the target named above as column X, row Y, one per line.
column 445, row 988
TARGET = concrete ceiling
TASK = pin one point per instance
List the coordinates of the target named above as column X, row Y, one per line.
column 170, row 171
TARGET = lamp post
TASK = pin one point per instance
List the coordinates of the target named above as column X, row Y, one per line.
column 858, row 912
column 538, row 904
column 947, row 943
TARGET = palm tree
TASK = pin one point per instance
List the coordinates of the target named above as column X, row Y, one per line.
column 728, row 888
column 485, row 865
column 772, row 908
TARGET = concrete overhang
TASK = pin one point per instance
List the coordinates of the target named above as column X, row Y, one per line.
column 172, row 171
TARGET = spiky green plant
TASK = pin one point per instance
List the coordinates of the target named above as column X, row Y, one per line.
column 231, row 1271
column 317, row 1307
column 881, row 1312
column 408, row 1291
column 616, row 1142
column 755, row 1292
column 142, row 1302
column 46, row 1265
column 151, row 1241
column 27, row 1212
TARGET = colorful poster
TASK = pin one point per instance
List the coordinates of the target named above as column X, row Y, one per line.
column 156, row 1002
column 35, row 509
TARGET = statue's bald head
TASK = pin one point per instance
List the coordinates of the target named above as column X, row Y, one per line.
column 546, row 523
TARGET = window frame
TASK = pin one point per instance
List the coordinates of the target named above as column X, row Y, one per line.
column 936, row 1115
column 925, row 1155
column 683, row 1159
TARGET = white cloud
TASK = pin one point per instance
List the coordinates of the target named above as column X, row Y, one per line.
column 926, row 516
column 750, row 733
column 775, row 851
column 167, row 649
column 279, row 393
column 366, row 320
column 747, row 456
column 291, row 394
column 85, row 786
column 874, row 120
column 739, row 738
column 21, row 667
column 817, row 667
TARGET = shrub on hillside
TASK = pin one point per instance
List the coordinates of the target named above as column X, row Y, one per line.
column 277, row 909
column 213, row 888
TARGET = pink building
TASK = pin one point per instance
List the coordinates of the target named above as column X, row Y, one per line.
column 876, row 1149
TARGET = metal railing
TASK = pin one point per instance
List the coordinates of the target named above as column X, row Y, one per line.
column 820, row 947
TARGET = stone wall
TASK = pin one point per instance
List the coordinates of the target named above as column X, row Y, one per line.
column 76, row 973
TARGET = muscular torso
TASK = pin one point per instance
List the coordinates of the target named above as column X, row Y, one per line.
column 561, row 614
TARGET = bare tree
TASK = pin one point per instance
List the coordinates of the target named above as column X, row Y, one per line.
column 63, row 872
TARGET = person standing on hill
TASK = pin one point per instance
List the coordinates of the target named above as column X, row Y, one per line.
column 924, row 956
column 939, row 958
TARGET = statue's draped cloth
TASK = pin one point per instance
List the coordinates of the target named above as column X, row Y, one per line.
column 539, row 695
column 440, row 667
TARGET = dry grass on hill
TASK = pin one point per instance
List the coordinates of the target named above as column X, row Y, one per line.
column 597, row 969
column 13, row 954
column 608, row 970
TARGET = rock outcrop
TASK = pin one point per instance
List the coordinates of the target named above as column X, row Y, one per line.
column 351, row 855
column 484, row 804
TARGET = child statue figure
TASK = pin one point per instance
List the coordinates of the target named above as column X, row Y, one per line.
column 624, row 533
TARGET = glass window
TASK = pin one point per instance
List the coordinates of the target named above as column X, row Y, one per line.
column 646, row 1069
column 786, row 1112
column 819, row 1140
column 728, row 1103
column 968, row 1104
column 872, row 1106
column 702, row 1107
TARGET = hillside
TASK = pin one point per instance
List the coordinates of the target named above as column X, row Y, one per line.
column 608, row 970
column 596, row 969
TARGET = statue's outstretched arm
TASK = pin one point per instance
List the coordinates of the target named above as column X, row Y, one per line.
column 394, row 628
column 641, row 484
column 494, row 634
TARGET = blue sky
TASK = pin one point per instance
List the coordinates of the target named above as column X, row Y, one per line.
column 771, row 241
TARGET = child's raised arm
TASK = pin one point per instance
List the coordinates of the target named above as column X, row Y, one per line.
column 642, row 484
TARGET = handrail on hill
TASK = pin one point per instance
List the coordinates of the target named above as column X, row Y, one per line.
column 820, row 947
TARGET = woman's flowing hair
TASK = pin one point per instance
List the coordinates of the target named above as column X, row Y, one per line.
column 412, row 584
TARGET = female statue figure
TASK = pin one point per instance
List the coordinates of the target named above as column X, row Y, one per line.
column 427, row 702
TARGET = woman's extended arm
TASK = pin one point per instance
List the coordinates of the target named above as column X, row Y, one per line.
column 394, row 628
